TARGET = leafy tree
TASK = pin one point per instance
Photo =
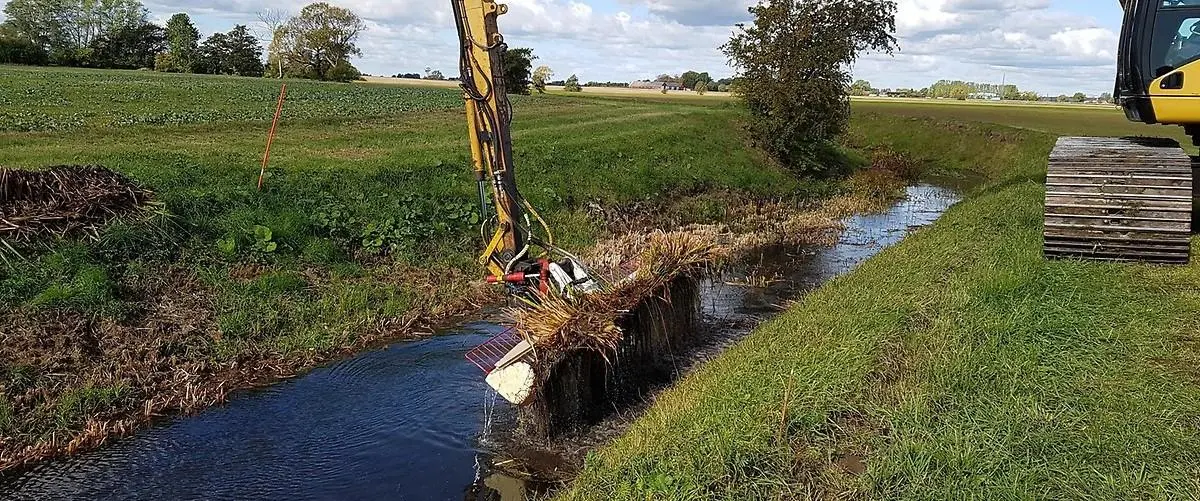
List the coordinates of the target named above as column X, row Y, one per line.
column 318, row 39
column 701, row 86
column 183, row 45
column 794, row 62
column 572, row 84
column 1079, row 97
column 542, row 75
column 244, row 54
column 861, row 88
column 518, row 66
column 1106, row 97
column 18, row 49
column 212, row 55
column 689, row 79
column 66, row 29
column 432, row 74
column 233, row 53
column 129, row 48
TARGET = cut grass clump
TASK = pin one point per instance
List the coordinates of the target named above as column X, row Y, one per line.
column 562, row 326
column 63, row 200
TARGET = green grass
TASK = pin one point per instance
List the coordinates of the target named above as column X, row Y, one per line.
column 368, row 218
column 956, row 365
column 81, row 403
column 395, row 183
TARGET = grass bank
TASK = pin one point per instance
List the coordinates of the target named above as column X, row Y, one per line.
column 366, row 233
column 958, row 364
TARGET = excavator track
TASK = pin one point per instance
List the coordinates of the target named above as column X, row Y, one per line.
column 1119, row 199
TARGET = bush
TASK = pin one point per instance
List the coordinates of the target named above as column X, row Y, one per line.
column 167, row 64
column 572, row 84
column 343, row 71
column 14, row 50
column 798, row 96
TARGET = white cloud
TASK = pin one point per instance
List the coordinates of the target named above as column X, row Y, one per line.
column 1035, row 44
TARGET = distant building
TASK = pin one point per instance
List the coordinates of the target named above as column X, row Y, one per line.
column 984, row 96
column 646, row 84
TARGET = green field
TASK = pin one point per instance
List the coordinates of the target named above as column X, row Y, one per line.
column 370, row 206
column 956, row 365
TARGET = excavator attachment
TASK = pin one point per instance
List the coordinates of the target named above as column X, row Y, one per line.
column 1119, row 199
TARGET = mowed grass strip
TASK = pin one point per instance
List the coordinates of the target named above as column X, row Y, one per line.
column 956, row 365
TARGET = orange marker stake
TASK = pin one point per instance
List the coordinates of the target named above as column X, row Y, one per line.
column 271, row 137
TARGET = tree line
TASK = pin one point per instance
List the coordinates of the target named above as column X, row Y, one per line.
column 317, row 43
column 957, row 89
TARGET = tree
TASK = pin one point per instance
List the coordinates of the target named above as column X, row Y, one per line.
column 794, row 62
column 432, row 74
column 128, row 47
column 243, row 52
column 183, row 45
column 318, row 39
column 1079, row 97
column 18, row 49
column 542, row 75
column 701, row 86
column 572, row 84
column 66, row 29
column 689, row 79
column 270, row 30
column 861, row 88
column 518, row 65
column 233, row 53
column 1106, row 97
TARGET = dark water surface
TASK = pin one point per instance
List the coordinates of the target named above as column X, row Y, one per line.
column 415, row 421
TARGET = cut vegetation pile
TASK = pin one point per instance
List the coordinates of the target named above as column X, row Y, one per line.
column 62, row 201
column 644, row 264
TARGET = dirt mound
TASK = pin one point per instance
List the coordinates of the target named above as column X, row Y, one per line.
column 63, row 200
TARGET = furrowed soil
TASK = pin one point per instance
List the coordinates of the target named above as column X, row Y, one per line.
column 958, row 364
column 365, row 234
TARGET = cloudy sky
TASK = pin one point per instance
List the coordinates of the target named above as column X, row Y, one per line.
column 1059, row 46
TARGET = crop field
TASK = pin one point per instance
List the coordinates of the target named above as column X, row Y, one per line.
column 40, row 100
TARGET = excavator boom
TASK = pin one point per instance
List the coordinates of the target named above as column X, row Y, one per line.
column 519, row 246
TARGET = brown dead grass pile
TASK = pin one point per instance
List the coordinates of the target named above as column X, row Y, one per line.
column 560, row 326
column 643, row 263
column 63, row 200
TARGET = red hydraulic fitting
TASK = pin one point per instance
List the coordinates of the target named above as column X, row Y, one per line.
column 512, row 278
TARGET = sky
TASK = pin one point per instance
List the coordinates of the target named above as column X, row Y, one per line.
column 1052, row 47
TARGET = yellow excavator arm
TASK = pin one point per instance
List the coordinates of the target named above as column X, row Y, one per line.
column 520, row 253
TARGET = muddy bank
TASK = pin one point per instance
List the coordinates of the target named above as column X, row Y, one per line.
column 415, row 421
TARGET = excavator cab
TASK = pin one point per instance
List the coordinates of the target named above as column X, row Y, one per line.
column 1158, row 70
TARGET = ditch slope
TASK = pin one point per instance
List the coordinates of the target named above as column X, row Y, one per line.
column 956, row 364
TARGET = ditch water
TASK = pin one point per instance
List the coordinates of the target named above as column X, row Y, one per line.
column 416, row 421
